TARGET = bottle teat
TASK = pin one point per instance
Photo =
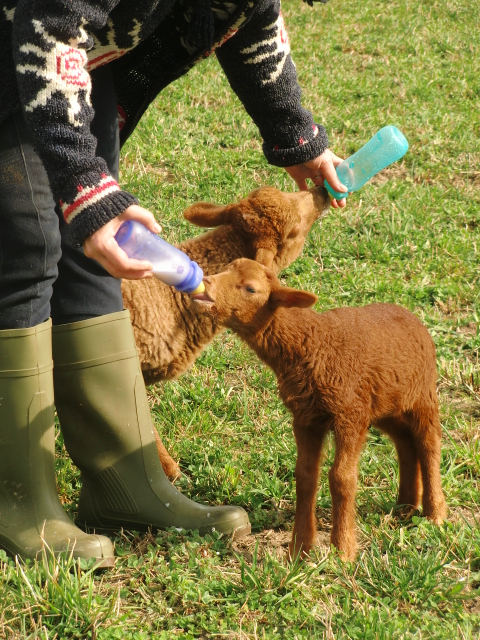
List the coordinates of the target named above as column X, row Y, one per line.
column 199, row 289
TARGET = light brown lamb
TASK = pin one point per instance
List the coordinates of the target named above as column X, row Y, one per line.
column 342, row 370
column 268, row 226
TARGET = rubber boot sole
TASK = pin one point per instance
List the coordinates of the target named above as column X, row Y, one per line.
column 237, row 533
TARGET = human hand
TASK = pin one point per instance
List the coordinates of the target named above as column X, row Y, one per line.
column 319, row 169
column 103, row 247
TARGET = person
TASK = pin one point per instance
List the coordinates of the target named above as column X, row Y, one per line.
column 76, row 81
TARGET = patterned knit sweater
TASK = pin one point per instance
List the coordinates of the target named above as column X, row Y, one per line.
column 49, row 46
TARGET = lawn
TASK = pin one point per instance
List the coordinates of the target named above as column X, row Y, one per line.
column 409, row 237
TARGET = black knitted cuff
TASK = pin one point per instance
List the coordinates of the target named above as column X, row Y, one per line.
column 94, row 217
column 308, row 149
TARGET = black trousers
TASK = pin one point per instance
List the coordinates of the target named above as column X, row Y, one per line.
column 40, row 276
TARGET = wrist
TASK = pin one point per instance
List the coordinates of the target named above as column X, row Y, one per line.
column 310, row 145
column 97, row 215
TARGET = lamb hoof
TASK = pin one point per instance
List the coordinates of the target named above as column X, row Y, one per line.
column 436, row 515
column 405, row 511
column 172, row 471
column 347, row 549
column 347, row 555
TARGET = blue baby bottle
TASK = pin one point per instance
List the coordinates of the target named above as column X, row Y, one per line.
column 386, row 146
column 170, row 265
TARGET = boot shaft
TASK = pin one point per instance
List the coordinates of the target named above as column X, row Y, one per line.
column 31, row 514
column 27, row 416
column 26, row 385
column 99, row 388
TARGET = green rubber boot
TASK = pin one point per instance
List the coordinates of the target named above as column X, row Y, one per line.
column 31, row 514
column 108, row 431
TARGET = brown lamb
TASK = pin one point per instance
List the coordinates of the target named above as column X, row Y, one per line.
column 268, row 226
column 342, row 371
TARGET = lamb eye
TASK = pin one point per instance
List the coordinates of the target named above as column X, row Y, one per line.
column 250, row 289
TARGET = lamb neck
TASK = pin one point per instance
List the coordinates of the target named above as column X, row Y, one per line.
column 214, row 250
column 279, row 344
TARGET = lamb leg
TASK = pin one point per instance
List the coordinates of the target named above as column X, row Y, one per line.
column 410, row 489
column 171, row 468
column 349, row 440
column 309, row 446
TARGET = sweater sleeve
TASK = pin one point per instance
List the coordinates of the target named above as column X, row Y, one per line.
column 258, row 65
column 50, row 39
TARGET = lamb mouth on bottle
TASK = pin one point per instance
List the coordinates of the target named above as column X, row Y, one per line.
column 202, row 297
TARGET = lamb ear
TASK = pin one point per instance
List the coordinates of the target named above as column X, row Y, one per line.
column 205, row 214
column 288, row 297
column 265, row 257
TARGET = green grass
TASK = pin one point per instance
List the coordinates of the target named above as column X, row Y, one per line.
column 410, row 237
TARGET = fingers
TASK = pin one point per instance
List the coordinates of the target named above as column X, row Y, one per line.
column 318, row 180
column 319, row 169
column 299, row 173
column 102, row 246
column 135, row 212
column 332, row 178
column 338, row 203
column 124, row 273
column 302, row 184
column 105, row 250
column 335, row 159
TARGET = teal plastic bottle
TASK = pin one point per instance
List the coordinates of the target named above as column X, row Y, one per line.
column 386, row 146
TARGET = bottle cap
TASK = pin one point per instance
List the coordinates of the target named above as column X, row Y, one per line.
column 123, row 234
column 192, row 281
column 334, row 194
column 199, row 289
